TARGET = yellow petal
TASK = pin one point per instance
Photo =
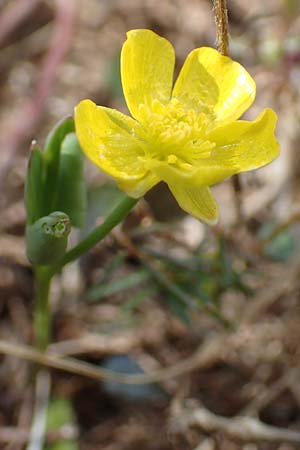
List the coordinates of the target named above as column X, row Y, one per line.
column 214, row 80
column 137, row 188
column 246, row 145
column 199, row 202
column 206, row 173
column 147, row 65
column 109, row 139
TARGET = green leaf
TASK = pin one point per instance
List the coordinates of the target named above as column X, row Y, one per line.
column 136, row 300
column 60, row 413
column 47, row 238
column 114, row 84
column 116, row 286
column 179, row 309
column 34, row 185
column 63, row 445
column 71, row 187
column 282, row 246
column 52, row 156
column 101, row 201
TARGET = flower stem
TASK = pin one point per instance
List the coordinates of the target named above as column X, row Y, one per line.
column 221, row 18
column 44, row 274
column 41, row 309
column 118, row 214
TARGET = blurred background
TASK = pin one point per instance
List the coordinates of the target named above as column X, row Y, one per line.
column 162, row 289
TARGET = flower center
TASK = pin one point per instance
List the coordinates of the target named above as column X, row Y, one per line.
column 176, row 135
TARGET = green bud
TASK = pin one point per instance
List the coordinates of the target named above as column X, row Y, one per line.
column 34, row 184
column 47, row 238
column 71, row 187
column 52, row 156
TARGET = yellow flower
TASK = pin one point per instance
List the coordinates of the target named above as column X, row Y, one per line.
column 189, row 136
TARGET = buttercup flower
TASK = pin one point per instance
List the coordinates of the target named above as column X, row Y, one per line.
column 187, row 136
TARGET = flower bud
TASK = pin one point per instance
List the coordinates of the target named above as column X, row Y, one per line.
column 34, row 183
column 71, row 187
column 52, row 157
column 47, row 238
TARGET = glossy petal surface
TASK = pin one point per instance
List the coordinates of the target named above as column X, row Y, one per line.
column 109, row 139
column 207, row 173
column 191, row 139
column 214, row 81
column 139, row 187
column 246, row 145
column 199, row 202
column 147, row 65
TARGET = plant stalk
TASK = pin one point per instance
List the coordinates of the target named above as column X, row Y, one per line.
column 221, row 19
column 41, row 309
column 119, row 213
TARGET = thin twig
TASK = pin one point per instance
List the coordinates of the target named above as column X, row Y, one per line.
column 31, row 112
column 13, row 436
column 38, row 428
column 208, row 353
column 19, row 436
column 221, row 19
column 265, row 397
column 241, row 428
column 13, row 15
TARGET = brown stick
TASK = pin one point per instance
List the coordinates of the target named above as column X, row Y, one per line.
column 238, row 427
column 205, row 357
column 221, row 19
column 13, row 15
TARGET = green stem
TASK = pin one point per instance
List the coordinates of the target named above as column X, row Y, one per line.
column 41, row 308
column 118, row 214
column 44, row 274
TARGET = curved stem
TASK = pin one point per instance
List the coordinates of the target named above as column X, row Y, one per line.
column 118, row 214
column 44, row 274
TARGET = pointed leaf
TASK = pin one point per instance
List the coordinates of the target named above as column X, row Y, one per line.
column 52, row 155
column 34, row 185
column 71, row 187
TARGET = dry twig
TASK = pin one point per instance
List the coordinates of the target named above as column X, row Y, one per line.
column 208, row 354
column 269, row 393
column 38, row 430
column 241, row 428
column 32, row 110
column 221, row 19
column 13, row 15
